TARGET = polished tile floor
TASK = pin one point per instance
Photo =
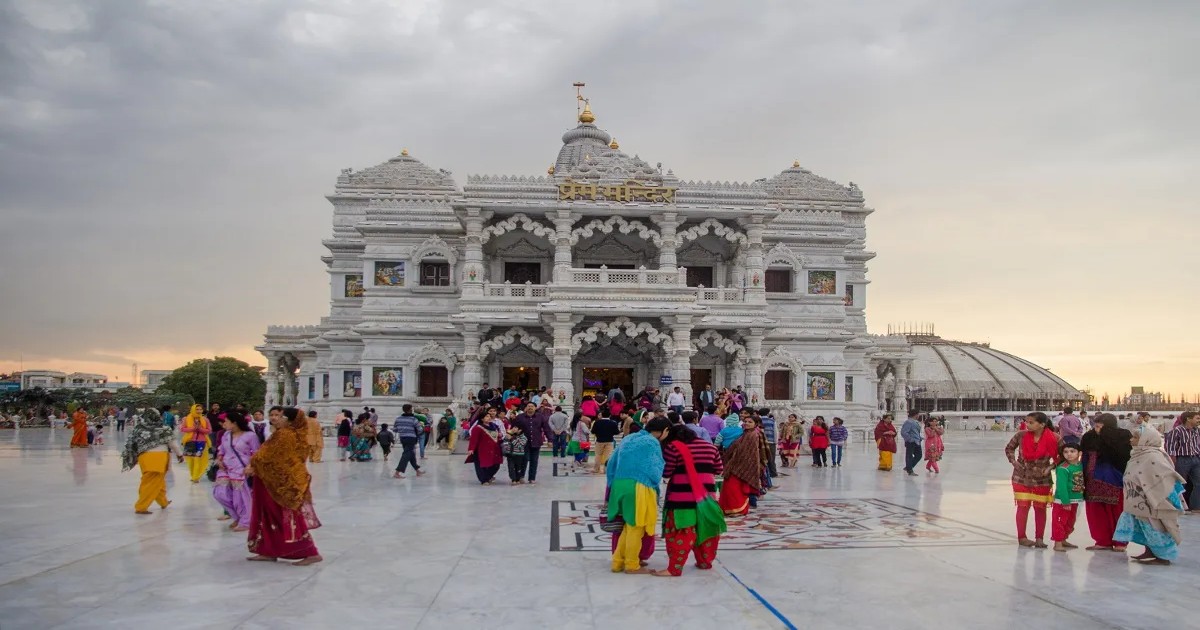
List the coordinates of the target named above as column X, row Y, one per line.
column 849, row 547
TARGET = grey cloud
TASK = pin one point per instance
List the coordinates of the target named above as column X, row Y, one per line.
column 163, row 164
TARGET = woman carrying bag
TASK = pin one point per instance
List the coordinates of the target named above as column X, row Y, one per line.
column 692, row 520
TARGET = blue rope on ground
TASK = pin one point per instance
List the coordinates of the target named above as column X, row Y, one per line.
column 774, row 611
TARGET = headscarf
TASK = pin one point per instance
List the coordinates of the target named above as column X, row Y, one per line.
column 744, row 460
column 732, row 431
column 279, row 465
column 1150, row 484
column 639, row 458
column 148, row 434
column 1112, row 445
column 195, row 419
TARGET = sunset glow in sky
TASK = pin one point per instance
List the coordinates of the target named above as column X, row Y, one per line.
column 1031, row 165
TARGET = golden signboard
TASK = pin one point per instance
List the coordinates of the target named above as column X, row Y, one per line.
column 629, row 192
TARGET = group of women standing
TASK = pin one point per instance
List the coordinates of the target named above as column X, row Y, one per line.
column 264, row 488
column 1131, row 491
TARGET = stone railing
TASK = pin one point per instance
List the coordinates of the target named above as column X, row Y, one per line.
column 509, row 290
column 719, row 294
column 631, row 277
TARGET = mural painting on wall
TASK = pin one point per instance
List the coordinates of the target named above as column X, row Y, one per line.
column 822, row 282
column 849, row 388
column 389, row 273
column 324, row 386
column 354, row 286
column 849, row 299
column 387, row 381
column 353, row 386
column 820, row 385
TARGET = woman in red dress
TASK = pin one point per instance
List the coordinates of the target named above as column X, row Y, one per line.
column 483, row 450
column 282, row 513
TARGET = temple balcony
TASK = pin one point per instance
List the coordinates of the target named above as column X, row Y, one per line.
column 667, row 285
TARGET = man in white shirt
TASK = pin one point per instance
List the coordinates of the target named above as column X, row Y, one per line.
column 675, row 400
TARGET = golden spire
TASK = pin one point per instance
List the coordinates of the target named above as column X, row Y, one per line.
column 586, row 116
column 796, row 164
column 613, row 144
column 550, row 171
column 404, row 152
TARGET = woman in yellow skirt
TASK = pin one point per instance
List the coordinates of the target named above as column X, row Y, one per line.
column 195, row 429
column 150, row 445
column 634, row 473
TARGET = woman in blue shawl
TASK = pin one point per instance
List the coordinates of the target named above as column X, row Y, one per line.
column 634, row 472
column 731, row 432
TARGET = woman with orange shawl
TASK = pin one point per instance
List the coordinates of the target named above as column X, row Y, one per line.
column 79, row 426
column 282, row 513
column 195, row 429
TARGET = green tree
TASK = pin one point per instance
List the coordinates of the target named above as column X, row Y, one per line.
column 233, row 381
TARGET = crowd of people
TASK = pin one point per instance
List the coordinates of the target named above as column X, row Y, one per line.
column 1133, row 483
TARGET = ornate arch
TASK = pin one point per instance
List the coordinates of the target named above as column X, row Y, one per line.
column 435, row 247
column 779, row 357
column 517, row 221
column 618, row 222
column 622, row 326
column 513, row 336
column 433, row 352
column 716, row 228
column 782, row 254
column 718, row 340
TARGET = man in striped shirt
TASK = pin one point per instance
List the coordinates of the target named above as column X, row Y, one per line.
column 408, row 431
column 1183, row 446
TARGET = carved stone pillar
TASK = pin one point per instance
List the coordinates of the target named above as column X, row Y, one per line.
column 561, row 381
column 473, row 270
column 756, row 290
column 680, row 359
column 563, row 221
column 754, row 363
column 271, row 376
column 472, row 365
column 668, row 224
column 900, row 397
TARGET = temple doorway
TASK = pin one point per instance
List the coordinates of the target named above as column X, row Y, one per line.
column 599, row 380
column 521, row 377
column 700, row 378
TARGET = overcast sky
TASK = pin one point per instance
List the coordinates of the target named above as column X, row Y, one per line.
column 163, row 164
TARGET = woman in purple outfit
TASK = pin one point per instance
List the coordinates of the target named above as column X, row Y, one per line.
column 236, row 446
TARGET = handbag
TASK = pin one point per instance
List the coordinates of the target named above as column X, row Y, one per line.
column 710, row 518
column 585, row 446
column 194, row 448
column 613, row 526
column 249, row 480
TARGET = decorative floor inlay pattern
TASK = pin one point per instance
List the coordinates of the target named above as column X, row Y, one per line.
column 794, row 524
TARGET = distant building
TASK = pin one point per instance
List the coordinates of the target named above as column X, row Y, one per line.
column 152, row 379
column 52, row 379
column 1139, row 397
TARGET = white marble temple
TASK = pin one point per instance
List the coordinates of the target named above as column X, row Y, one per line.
column 443, row 552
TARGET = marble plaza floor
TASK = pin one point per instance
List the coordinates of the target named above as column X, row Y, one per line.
column 850, row 548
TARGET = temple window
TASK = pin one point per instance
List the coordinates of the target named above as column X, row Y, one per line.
column 777, row 384
column 435, row 274
column 779, row 281
column 432, row 381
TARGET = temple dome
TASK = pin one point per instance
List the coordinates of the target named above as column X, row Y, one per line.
column 402, row 172
column 611, row 166
column 586, row 140
column 798, row 183
column 953, row 369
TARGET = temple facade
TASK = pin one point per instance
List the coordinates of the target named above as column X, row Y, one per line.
column 605, row 272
